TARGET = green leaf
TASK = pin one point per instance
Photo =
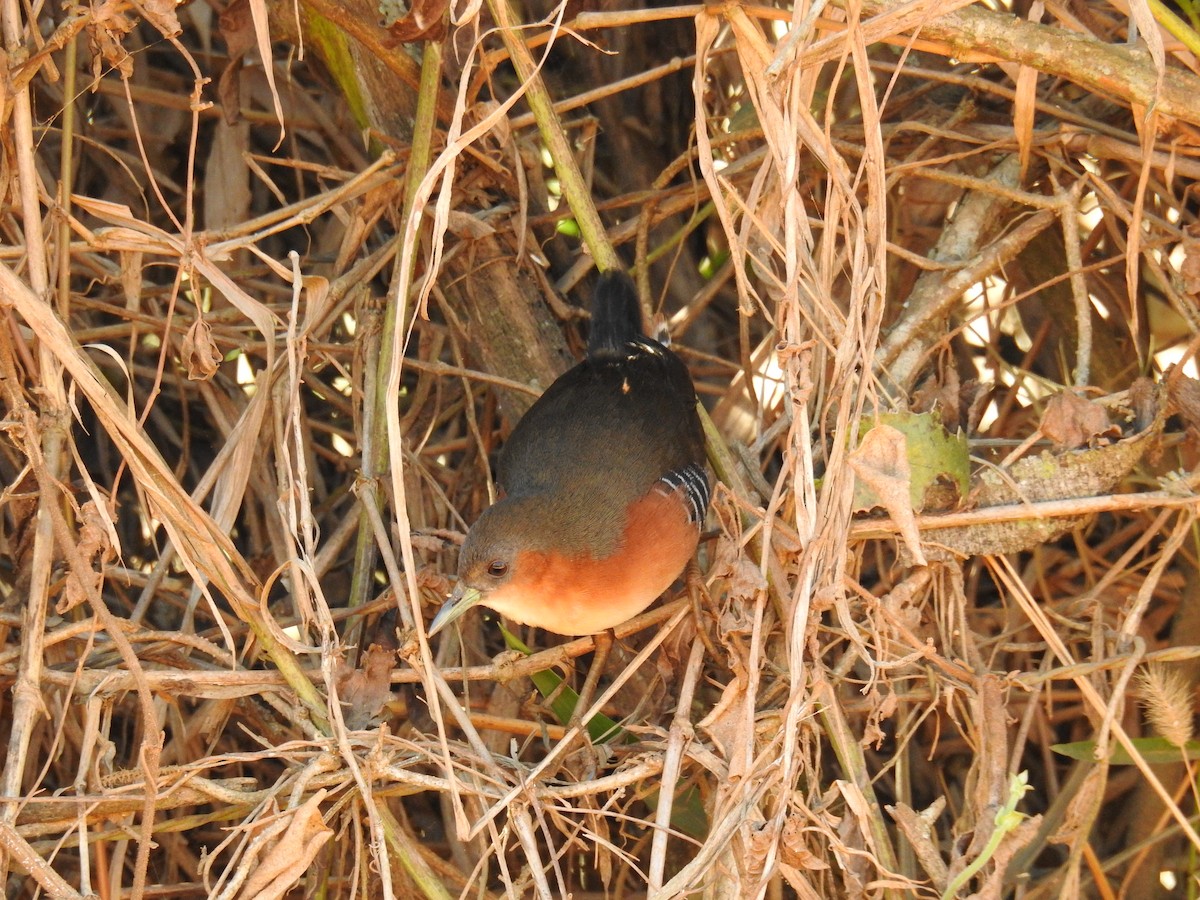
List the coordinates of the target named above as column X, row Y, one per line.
column 1153, row 749
column 601, row 729
column 711, row 264
column 939, row 462
column 687, row 812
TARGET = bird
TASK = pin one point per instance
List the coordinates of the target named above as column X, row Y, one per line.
column 605, row 489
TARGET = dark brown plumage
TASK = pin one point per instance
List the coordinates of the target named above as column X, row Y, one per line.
column 604, row 486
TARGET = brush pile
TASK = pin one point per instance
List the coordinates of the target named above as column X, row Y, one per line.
column 276, row 279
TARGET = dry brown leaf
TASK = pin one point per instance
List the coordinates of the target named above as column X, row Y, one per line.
column 759, row 838
column 940, row 393
column 745, row 578
column 881, row 460
column 200, row 355
column 883, row 706
column 227, row 193
column 1189, row 269
column 468, row 227
column 1185, row 398
column 317, row 299
column 854, row 832
column 903, row 602
column 433, row 581
column 426, row 21
column 1072, row 421
column 501, row 132
column 161, row 14
column 795, row 851
column 364, row 691
column 724, row 723
column 1046, row 476
column 744, row 583
column 291, row 856
column 1024, row 101
column 95, row 546
column 236, row 26
column 262, row 38
column 108, row 27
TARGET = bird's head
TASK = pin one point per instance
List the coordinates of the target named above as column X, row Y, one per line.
column 539, row 559
column 490, row 559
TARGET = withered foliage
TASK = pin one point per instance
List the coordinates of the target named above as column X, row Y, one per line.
column 277, row 278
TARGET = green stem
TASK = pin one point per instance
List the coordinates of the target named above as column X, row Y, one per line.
column 849, row 754
column 1007, row 819
column 375, row 445
column 1178, row 28
column 574, row 187
column 406, row 852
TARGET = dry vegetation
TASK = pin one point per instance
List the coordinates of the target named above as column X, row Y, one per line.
column 264, row 325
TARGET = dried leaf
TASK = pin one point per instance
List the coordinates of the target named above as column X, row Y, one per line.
column 365, row 690
column 1185, row 398
column 501, row 132
column 1073, row 421
column 794, row 849
column 940, row 393
column 262, row 35
column 468, row 227
column 747, row 578
column 161, row 14
column 291, row 856
column 426, row 21
column 236, row 25
column 108, row 27
column 200, row 354
column 759, row 838
column 724, row 724
column 1047, row 476
column 227, row 193
column 1189, row 269
column 883, row 706
column 95, row 546
column 433, row 582
column 881, row 461
column 939, row 464
column 744, row 582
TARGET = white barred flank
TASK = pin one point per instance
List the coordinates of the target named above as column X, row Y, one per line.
column 695, row 488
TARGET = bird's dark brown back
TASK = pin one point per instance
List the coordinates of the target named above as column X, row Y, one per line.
column 611, row 426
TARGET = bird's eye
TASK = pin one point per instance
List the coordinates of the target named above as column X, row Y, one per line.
column 497, row 568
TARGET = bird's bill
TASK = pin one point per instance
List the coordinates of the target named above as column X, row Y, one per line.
column 461, row 599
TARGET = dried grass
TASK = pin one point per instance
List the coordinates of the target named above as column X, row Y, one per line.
column 253, row 367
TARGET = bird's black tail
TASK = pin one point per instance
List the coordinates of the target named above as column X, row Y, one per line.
column 616, row 316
